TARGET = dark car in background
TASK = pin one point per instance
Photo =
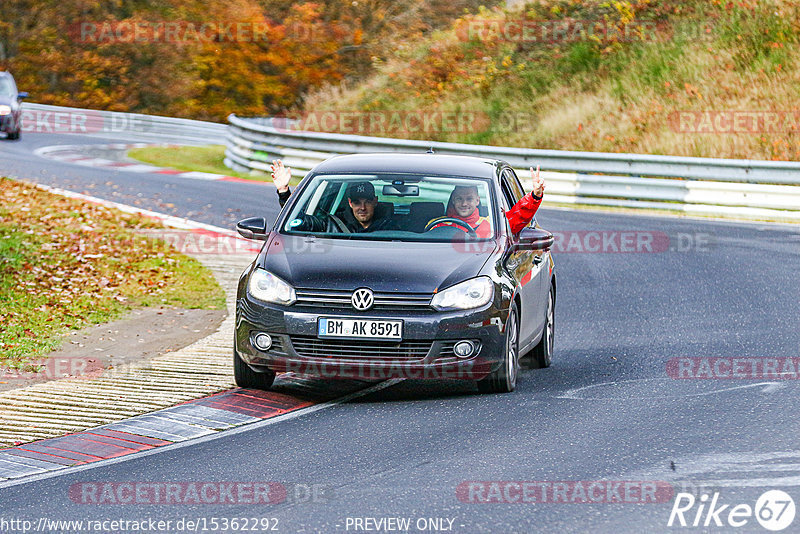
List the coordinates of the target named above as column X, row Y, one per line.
column 10, row 106
column 413, row 300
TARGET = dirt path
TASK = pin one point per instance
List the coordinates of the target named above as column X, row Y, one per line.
column 140, row 335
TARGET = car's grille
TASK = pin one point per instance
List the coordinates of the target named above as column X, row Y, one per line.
column 446, row 350
column 366, row 349
column 340, row 299
column 277, row 346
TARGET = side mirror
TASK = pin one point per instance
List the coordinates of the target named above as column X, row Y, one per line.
column 22, row 94
column 535, row 239
column 253, row 228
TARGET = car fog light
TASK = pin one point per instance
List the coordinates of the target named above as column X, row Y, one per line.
column 262, row 341
column 464, row 349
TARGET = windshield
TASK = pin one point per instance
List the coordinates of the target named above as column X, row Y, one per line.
column 394, row 206
column 7, row 87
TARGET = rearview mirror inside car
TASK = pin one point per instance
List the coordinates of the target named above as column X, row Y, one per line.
column 253, row 228
column 401, row 190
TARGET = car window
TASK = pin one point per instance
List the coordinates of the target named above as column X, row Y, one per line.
column 405, row 205
column 7, row 87
column 507, row 193
column 514, row 187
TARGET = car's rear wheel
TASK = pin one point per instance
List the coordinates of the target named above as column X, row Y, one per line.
column 504, row 380
column 247, row 378
column 542, row 354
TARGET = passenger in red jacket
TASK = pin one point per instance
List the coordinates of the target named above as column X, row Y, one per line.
column 463, row 205
column 523, row 211
column 464, row 202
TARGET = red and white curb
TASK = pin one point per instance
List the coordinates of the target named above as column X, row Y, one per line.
column 194, row 421
column 77, row 155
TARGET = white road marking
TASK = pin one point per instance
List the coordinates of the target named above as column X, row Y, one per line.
column 573, row 394
column 700, row 471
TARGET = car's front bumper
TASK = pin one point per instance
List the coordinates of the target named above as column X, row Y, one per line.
column 426, row 351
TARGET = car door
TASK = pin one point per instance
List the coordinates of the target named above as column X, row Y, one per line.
column 528, row 269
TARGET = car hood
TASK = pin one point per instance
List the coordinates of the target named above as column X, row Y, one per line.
column 379, row 265
column 8, row 101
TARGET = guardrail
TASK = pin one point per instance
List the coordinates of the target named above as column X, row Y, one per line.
column 44, row 118
column 743, row 188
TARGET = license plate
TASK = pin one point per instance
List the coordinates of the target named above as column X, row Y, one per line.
column 366, row 328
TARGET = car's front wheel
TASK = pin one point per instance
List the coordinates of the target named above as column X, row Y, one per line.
column 13, row 132
column 504, row 380
column 247, row 378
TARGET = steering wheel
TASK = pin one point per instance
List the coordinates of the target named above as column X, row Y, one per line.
column 339, row 224
column 457, row 222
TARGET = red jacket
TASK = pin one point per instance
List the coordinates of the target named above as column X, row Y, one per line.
column 475, row 221
column 522, row 213
column 518, row 217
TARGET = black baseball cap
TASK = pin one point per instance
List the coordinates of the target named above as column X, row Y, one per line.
column 360, row 190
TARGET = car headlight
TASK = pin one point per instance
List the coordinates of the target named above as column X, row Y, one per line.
column 267, row 287
column 470, row 294
column 5, row 110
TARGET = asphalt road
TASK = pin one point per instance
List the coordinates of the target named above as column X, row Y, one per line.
column 607, row 410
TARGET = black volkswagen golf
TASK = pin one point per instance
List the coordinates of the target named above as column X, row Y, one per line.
column 422, row 295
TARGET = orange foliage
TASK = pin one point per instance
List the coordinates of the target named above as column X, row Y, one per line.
column 75, row 52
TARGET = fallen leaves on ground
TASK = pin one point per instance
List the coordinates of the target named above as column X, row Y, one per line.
column 65, row 263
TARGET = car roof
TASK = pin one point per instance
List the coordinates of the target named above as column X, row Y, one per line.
column 411, row 163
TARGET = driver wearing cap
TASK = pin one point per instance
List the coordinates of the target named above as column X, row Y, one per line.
column 360, row 196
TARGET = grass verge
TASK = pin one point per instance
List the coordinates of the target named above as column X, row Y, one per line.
column 675, row 88
column 207, row 158
column 65, row 264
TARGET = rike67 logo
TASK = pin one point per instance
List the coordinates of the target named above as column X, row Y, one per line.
column 774, row 510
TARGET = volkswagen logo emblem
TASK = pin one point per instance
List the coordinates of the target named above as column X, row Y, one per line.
column 362, row 299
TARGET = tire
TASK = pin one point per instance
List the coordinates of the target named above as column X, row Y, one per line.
column 542, row 354
column 247, row 378
column 504, row 380
column 14, row 133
